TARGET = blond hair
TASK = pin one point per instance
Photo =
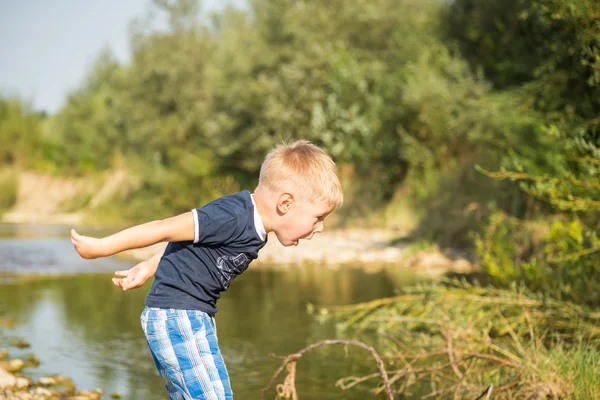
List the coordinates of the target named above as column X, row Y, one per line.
column 305, row 166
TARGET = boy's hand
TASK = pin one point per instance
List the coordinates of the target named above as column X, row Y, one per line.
column 137, row 275
column 134, row 277
column 87, row 247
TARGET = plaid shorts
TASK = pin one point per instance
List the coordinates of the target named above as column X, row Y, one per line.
column 184, row 346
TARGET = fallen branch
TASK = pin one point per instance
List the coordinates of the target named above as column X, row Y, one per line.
column 289, row 387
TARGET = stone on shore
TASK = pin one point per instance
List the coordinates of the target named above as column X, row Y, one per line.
column 7, row 379
column 13, row 365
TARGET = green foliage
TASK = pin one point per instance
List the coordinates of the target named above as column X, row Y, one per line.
column 565, row 176
column 8, row 188
column 20, row 132
column 383, row 97
column 546, row 53
column 571, row 249
column 234, row 87
column 519, row 41
column 557, row 259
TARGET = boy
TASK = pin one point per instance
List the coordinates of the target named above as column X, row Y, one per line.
column 208, row 247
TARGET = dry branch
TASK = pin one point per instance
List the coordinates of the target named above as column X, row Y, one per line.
column 292, row 358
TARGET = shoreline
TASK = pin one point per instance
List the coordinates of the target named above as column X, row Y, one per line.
column 368, row 248
column 15, row 384
column 371, row 248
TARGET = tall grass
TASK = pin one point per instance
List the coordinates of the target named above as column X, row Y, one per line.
column 580, row 363
column 456, row 340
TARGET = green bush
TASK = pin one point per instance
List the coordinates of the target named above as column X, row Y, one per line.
column 8, row 188
column 555, row 259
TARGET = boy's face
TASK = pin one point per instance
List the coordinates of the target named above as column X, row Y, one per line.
column 300, row 218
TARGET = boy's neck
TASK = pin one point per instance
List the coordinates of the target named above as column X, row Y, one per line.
column 262, row 205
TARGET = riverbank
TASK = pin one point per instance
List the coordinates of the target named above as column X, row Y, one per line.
column 16, row 386
column 368, row 248
column 46, row 199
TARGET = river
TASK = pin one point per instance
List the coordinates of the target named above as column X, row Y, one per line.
column 81, row 326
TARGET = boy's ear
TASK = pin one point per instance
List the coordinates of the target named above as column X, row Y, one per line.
column 284, row 203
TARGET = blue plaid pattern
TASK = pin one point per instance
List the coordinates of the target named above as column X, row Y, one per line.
column 184, row 346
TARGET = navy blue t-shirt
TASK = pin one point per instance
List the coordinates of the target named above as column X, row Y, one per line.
column 191, row 275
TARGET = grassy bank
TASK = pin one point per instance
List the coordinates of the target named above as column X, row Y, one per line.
column 455, row 339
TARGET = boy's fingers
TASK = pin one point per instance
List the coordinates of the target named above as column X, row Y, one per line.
column 130, row 279
column 131, row 283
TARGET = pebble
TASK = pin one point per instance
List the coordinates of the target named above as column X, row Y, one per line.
column 47, row 381
column 6, row 379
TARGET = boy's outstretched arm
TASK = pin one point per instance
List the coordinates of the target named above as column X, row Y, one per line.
column 175, row 229
column 137, row 275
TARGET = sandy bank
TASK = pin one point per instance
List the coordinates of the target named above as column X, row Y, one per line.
column 373, row 247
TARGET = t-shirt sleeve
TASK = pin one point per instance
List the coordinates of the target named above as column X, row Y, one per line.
column 215, row 224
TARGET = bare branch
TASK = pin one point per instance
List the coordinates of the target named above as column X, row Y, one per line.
column 294, row 357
